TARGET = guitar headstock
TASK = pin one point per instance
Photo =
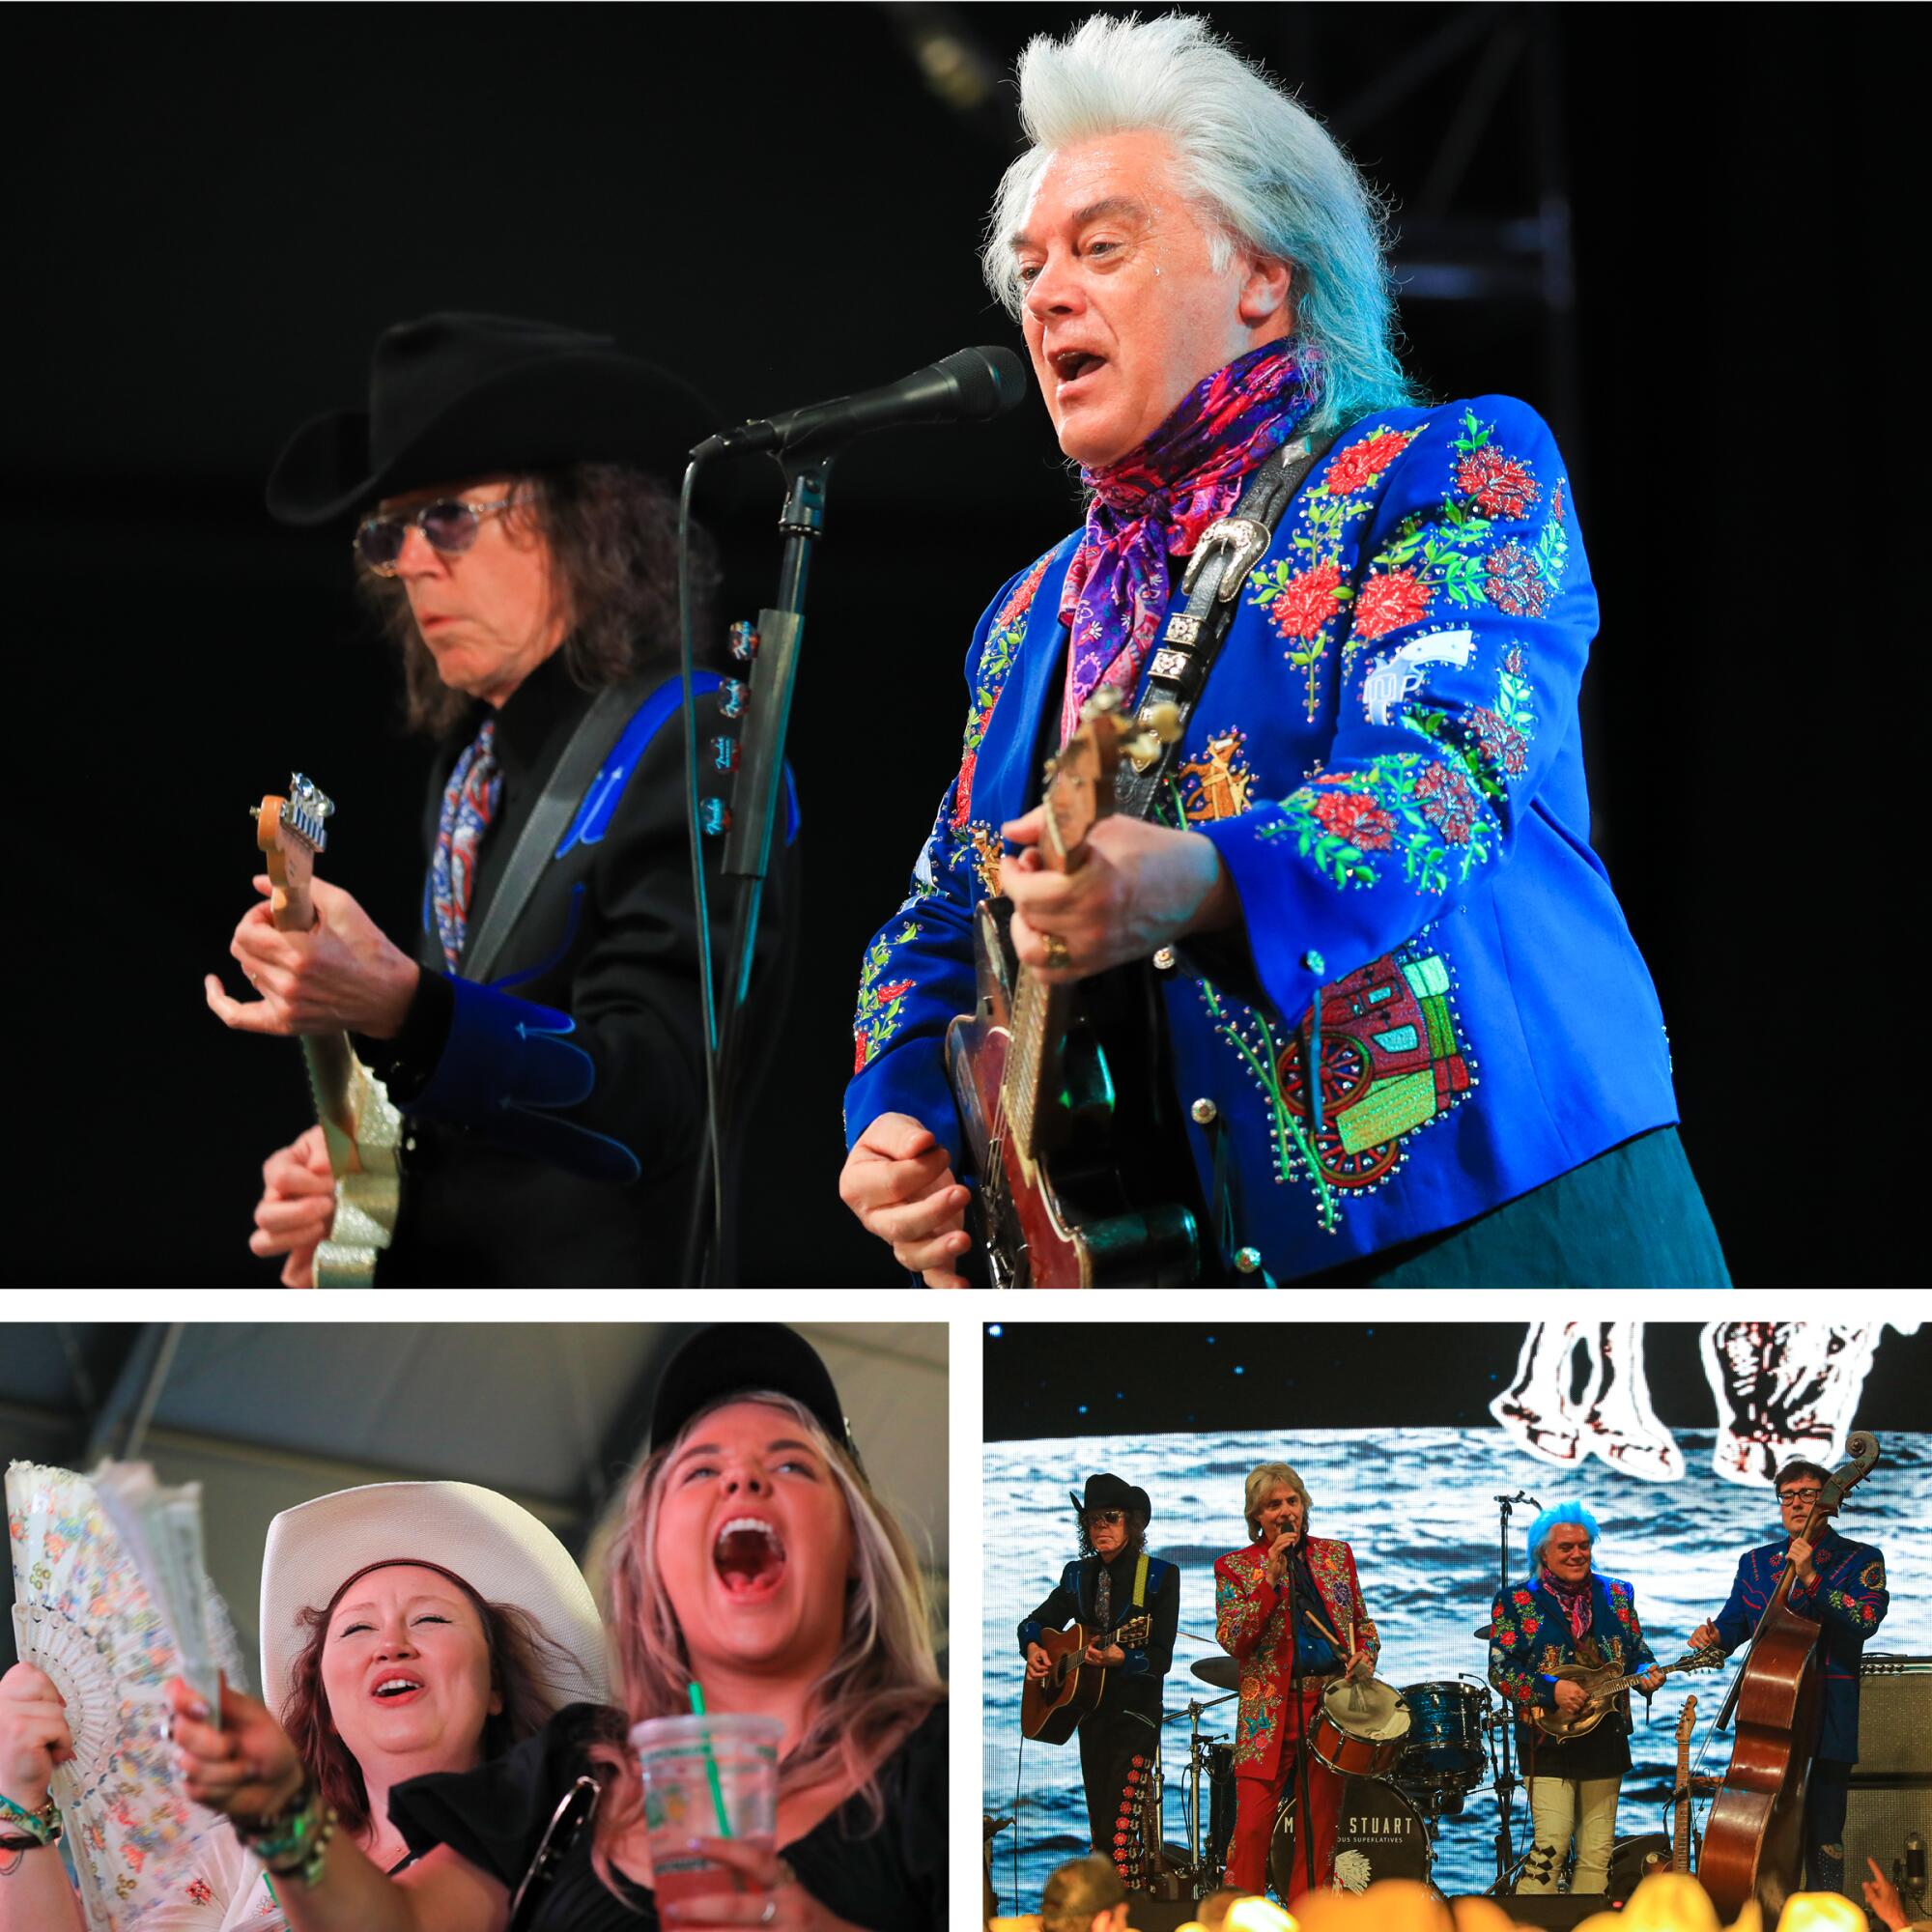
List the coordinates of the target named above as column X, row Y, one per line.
column 1686, row 1719
column 289, row 832
column 1080, row 780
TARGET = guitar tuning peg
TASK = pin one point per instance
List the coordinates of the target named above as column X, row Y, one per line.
column 1106, row 698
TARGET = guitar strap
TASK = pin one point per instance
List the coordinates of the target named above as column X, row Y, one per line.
column 570, row 778
column 1139, row 1583
column 1229, row 549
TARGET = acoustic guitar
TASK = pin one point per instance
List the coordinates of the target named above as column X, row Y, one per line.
column 1603, row 1685
column 1051, row 1707
column 1035, row 1092
column 359, row 1124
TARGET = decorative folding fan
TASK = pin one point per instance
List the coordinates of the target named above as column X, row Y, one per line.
column 83, row 1615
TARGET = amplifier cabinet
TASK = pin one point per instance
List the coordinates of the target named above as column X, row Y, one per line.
column 1895, row 1718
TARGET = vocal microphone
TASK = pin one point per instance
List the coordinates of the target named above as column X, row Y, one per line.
column 969, row 385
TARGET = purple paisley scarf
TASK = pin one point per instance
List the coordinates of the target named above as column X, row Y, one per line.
column 1155, row 502
column 1575, row 1601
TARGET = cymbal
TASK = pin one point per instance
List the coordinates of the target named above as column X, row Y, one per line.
column 1223, row 1672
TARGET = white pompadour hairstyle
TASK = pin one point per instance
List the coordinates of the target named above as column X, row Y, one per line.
column 1260, row 169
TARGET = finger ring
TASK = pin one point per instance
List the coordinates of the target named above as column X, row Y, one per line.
column 1056, row 950
column 770, row 1911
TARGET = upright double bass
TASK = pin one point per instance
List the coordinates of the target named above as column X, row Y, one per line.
column 1754, row 1837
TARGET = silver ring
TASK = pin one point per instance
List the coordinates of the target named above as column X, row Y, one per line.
column 770, row 1911
column 1056, row 950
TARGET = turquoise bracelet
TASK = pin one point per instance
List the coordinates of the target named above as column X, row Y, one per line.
column 43, row 1825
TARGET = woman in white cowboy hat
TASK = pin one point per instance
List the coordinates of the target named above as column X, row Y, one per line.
column 754, row 1559
column 406, row 1627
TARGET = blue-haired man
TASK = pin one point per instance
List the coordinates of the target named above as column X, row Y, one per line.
column 1563, row 1614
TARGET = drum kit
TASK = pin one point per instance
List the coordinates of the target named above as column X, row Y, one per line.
column 1407, row 1759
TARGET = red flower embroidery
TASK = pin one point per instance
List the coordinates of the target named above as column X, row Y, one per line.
column 962, row 797
column 1516, row 581
column 1501, row 485
column 1448, row 803
column 1355, row 816
column 1389, row 601
column 1023, row 594
column 1361, row 462
column 1503, row 745
column 858, row 1053
column 1522, row 1597
column 1305, row 603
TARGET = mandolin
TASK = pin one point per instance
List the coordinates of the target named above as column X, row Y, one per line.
column 1051, row 1707
column 1753, row 1839
column 1034, row 1094
column 1603, row 1685
column 359, row 1124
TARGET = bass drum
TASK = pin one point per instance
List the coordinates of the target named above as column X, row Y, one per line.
column 1379, row 1835
column 1444, row 1748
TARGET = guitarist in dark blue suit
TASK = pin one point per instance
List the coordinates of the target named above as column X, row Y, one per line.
column 1841, row 1585
column 1112, row 1582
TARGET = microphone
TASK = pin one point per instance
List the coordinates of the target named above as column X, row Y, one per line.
column 970, row 385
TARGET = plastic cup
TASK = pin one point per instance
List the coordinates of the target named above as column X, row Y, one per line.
column 692, row 1765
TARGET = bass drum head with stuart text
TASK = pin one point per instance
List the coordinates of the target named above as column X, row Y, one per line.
column 1379, row 1835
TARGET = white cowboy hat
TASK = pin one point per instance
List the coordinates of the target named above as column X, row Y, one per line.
column 497, row 1547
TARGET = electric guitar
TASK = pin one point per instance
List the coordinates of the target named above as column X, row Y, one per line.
column 1051, row 1707
column 1034, row 1091
column 1603, row 1685
column 1681, row 1854
column 359, row 1125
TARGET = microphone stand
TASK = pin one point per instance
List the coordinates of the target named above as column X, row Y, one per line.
column 772, row 672
column 1304, row 1830
column 1506, row 1778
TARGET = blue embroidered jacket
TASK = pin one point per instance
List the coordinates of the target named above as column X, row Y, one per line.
column 1848, row 1602
column 1388, row 758
column 1072, row 1599
column 1529, row 1636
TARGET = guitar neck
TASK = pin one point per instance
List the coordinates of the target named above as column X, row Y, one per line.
column 1040, row 1019
column 331, row 1080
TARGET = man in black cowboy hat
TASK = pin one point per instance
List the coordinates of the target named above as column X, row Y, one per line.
column 540, row 1032
column 1111, row 1583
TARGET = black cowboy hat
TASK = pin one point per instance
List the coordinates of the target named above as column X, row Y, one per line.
column 1106, row 1491
column 453, row 395
column 739, row 1358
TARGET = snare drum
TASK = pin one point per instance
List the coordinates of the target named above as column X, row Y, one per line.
column 1359, row 1728
column 1444, row 1750
column 1379, row 1835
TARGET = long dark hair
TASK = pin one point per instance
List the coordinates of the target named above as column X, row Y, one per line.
column 523, row 1668
column 611, row 533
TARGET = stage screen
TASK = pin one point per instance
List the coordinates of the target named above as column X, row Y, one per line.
column 1413, row 1486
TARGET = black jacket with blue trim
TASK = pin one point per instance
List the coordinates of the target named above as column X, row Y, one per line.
column 1139, row 1677
column 556, row 1113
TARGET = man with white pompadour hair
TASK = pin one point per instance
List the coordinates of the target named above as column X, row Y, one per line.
column 1379, row 1018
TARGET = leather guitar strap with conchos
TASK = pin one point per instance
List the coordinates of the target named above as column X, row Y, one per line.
column 1229, row 549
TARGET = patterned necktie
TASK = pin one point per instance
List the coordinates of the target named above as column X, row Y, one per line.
column 468, row 804
column 1103, row 1597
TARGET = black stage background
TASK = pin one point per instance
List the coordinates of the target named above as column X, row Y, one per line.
column 213, row 213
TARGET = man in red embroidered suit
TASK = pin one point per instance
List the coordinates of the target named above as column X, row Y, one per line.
column 1286, row 1665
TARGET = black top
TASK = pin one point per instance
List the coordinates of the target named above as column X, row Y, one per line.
column 889, row 1880
column 502, row 1187
column 1072, row 1599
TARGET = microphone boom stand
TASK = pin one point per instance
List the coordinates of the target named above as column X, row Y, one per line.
column 773, row 677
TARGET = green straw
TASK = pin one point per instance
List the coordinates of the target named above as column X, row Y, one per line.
column 710, row 1764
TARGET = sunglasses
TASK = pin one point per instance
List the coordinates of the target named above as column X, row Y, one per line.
column 450, row 527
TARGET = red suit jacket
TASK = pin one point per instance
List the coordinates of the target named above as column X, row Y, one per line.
column 1251, row 1625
